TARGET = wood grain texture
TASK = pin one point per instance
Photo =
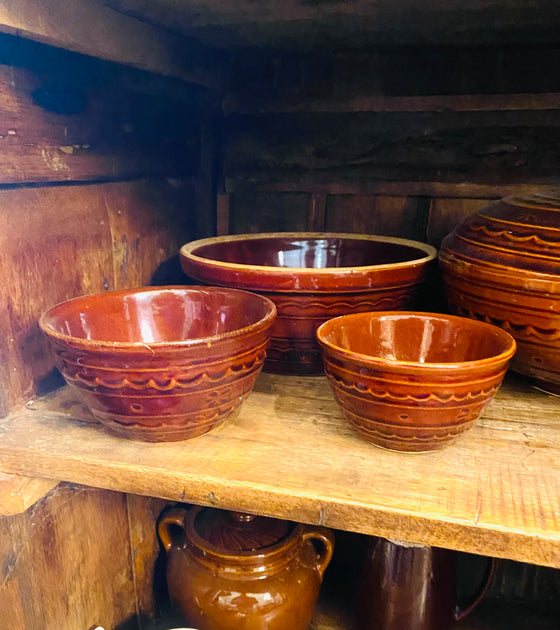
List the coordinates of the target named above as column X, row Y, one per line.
column 69, row 118
column 290, row 454
column 66, row 563
column 480, row 147
column 61, row 242
column 91, row 28
column 18, row 492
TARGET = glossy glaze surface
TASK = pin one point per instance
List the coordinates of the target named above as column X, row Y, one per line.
column 412, row 381
column 502, row 265
column 161, row 364
column 411, row 587
column 261, row 573
column 312, row 277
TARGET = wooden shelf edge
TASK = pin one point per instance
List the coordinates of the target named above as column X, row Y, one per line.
column 18, row 493
column 323, row 185
column 92, row 29
column 244, row 104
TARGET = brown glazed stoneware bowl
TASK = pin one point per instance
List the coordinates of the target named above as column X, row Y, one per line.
column 312, row 277
column 161, row 364
column 243, row 572
column 411, row 381
column 502, row 265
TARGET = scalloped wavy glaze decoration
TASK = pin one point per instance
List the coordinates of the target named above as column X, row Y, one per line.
column 399, row 398
column 502, row 265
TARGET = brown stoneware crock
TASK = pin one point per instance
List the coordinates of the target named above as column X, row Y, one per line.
column 406, row 586
column 312, row 277
column 411, row 381
column 243, row 572
column 161, row 364
column 502, row 265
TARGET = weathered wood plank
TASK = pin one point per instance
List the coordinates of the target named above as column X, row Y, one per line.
column 290, row 454
column 65, row 117
column 91, row 28
column 493, row 148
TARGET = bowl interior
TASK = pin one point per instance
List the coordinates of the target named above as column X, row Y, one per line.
column 307, row 252
column 156, row 315
column 416, row 338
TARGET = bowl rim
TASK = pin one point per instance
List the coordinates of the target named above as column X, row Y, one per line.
column 400, row 365
column 100, row 345
column 187, row 251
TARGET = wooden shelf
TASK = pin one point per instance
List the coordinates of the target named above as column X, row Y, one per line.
column 290, row 454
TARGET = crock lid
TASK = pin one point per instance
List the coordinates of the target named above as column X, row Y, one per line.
column 236, row 531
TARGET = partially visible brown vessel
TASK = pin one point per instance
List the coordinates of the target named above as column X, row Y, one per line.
column 243, row 572
column 502, row 265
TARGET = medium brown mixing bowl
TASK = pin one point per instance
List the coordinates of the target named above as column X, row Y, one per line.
column 161, row 364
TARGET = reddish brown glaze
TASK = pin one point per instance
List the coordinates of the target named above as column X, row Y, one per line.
column 411, row 587
column 161, row 364
column 502, row 265
column 312, row 277
column 243, row 572
column 412, row 381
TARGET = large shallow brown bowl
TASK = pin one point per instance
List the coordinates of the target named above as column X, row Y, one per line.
column 161, row 364
column 502, row 265
column 413, row 381
column 312, row 277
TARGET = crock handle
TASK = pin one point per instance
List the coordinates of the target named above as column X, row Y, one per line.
column 167, row 528
column 327, row 539
column 462, row 611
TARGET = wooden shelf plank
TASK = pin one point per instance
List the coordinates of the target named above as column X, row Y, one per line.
column 18, row 492
column 88, row 27
column 290, row 454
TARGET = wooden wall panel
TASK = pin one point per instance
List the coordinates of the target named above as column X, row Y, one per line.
column 405, row 217
column 269, row 212
column 63, row 241
column 66, row 563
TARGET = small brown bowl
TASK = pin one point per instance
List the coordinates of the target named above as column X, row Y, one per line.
column 312, row 277
column 161, row 364
column 410, row 381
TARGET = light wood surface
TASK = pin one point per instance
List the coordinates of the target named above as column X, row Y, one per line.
column 18, row 492
column 289, row 454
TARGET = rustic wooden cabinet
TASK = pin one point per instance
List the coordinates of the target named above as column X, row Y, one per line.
column 128, row 128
